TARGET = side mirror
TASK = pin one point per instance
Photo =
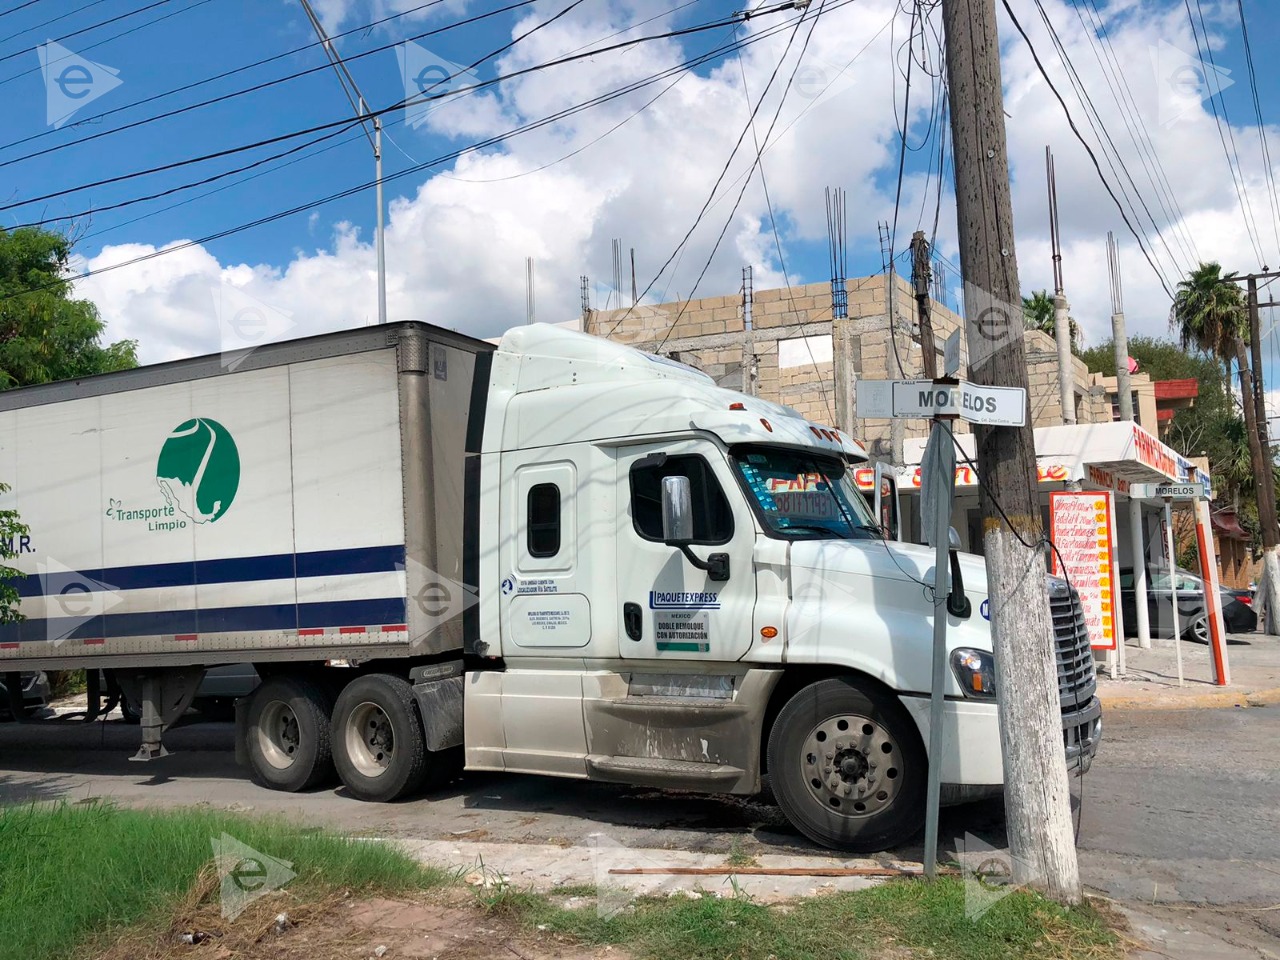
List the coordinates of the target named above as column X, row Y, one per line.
column 953, row 538
column 677, row 511
column 886, row 501
column 677, row 527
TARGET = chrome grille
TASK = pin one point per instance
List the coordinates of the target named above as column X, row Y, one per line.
column 1076, row 679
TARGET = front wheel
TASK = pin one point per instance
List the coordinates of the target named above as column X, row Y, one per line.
column 848, row 766
column 1198, row 630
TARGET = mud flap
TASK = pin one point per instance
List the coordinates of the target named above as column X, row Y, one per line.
column 439, row 704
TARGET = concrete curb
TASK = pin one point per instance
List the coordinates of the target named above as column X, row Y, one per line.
column 1175, row 698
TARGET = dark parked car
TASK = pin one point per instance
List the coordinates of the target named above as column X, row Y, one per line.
column 1238, row 615
column 35, row 694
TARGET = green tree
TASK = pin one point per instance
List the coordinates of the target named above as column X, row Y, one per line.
column 1037, row 314
column 44, row 334
column 11, row 529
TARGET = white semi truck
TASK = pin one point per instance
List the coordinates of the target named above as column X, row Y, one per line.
column 563, row 556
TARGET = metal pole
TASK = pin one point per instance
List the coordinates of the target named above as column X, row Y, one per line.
column 1173, row 582
column 1139, row 574
column 941, row 587
column 382, row 247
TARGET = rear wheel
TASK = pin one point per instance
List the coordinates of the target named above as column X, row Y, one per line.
column 288, row 734
column 379, row 748
column 848, row 767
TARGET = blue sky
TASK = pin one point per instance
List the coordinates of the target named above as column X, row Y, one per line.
column 456, row 249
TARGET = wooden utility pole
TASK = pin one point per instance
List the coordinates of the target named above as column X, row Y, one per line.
column 1260, row 450
column 1037, row 793
column 921, row 274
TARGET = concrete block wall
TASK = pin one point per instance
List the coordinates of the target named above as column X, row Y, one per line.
column 710, row 334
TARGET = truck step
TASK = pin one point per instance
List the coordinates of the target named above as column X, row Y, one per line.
column 646, row 771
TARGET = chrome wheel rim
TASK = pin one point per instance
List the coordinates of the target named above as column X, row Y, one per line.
column 278, row 737
column 851, row 766
column 370, row 740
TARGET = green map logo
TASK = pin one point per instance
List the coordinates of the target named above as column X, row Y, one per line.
column 199, row 469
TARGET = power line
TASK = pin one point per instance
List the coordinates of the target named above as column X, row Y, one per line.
column 1233, row 157
column 93, row 26
column 421, row 98
column 1088, row 149
column 262, row 86
column 1262, row 127
column 759, row 154
column 719, row 179
column 452, row 155
column 45, row 23
column 1094, row 117
column 1139, row 134
column 243, row 68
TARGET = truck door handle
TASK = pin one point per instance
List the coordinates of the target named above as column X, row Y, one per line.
column 633, row 620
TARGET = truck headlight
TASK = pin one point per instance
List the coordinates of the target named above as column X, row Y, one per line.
column 975, row 671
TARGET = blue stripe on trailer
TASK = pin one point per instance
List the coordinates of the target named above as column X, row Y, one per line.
column 280, row 566
column 339, row 613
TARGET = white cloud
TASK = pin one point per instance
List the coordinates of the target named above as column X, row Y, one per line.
column 456, row 244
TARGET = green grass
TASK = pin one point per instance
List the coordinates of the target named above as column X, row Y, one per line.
column 70, row 872
column 919, row 919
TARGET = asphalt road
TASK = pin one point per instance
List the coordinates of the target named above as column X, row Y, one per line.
column 1180, row 806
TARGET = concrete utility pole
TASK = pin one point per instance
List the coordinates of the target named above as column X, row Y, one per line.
column 1061, row 310
column 1037, row 793
column 1119, row 338
column 1263, row 467
column 921, row 269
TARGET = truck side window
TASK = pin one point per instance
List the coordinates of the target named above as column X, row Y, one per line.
column 544, row 520
column 712, row 517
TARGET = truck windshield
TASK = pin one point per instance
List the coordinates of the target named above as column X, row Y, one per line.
column 805, row 495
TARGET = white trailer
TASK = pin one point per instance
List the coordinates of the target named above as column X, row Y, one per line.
column 563, row 557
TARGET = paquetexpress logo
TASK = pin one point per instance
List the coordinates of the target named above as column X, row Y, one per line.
column 990, row 875
column 71, row 599
column 199, row 469
column 436, row 598
column 71, row 81
column 246, row 874
column 428, row 78
column 1184, row 82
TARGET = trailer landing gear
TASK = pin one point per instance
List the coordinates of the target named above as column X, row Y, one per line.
column 165, row 696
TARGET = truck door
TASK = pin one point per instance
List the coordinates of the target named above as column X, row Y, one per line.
column 667, row 608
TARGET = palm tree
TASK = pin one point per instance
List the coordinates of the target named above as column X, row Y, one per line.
column 1037, row 314
column 1209, row 313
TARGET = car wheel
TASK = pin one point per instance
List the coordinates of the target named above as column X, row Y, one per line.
column 848, row 767
column 1197, row 630
column 288, row 734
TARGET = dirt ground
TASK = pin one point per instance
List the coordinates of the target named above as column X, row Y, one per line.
column 441, row 925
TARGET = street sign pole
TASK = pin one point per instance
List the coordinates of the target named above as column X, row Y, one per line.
column 941, row 567
column 942, row 400
column 1173, row 582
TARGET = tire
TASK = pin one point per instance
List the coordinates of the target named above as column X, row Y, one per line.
column 378, row 746
column 287, row 735
column 843, row 802
column 1197, row 630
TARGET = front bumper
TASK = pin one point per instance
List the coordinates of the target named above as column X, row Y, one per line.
column 1081, row 734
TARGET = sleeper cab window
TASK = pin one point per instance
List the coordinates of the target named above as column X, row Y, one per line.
column 544, row 520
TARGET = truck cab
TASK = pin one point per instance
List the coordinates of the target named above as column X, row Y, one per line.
column 682, row 586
